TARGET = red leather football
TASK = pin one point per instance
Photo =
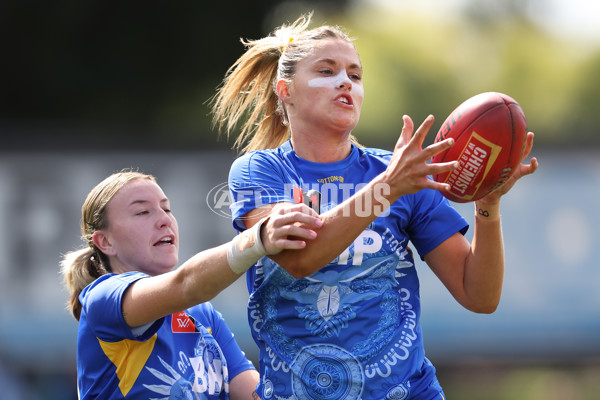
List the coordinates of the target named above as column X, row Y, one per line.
column 489, row 131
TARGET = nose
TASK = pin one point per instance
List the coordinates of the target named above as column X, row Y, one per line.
column 165, row 219
column 345, row 83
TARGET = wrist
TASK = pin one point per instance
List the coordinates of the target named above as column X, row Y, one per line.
column 391, row 192
column 246, row 248
column 487, row 211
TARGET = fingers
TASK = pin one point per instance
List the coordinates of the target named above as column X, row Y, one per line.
column 416, row 141
column 528, row 145
column 421, row 133
column 290, row 226
column 527, row 169
column 521, row 170
column 408, row 169
column 287, row 244
column 440, row 168
column 292, row 213
column 438, row 147
column 406, row 133
column 534, row 165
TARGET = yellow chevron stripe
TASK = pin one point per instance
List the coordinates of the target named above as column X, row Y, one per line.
column 129, row 356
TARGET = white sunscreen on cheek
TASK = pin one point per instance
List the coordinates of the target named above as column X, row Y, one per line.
column 334, row 81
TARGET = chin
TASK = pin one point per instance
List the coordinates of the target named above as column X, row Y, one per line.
column 162, row 269
column 166, row 266
column 346, row 123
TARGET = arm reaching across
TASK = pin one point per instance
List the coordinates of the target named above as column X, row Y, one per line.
column 207, row 273
column 406, row 173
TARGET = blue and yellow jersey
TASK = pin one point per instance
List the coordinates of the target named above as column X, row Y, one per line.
column 190, row 354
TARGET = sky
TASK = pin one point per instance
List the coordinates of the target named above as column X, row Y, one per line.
column 577, row 20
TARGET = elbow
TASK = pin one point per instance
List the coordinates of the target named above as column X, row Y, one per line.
column 484, row 307
column 297, row 270
column 485, row 310
column 298, row 267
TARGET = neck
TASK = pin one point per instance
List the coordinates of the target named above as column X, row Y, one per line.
column 321, row 149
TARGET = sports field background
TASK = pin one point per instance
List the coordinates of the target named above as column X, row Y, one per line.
column 94, row 87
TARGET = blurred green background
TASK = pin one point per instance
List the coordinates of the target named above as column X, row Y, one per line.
column 90, row 80
column 133, row 72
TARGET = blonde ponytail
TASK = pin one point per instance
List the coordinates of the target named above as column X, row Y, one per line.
column 249, row 88
column 247, row 92
column 80, row 268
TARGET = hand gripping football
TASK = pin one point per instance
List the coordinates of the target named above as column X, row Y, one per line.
column 489, row 131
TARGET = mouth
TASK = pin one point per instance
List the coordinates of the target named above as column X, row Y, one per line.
column 344, row 99
column 168, row 240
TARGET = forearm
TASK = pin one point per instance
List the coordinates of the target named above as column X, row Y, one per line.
column 341, row 226
column 196, row 281
column 484, row 267
column 242, row 386
column 205, row 275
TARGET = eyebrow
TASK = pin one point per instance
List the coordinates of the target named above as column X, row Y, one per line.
column 331, row 61
column 162, row 201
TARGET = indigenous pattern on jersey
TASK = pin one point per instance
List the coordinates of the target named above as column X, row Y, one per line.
column 188, row 355
column 350, row 330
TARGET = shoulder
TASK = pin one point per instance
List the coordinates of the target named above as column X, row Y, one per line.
column 261, row 166
column 372, row 159
column 272, row 155
column 257, row 160
column 375, row 154
column 107, row 291
column 373, row 151
column 101, row 305
column 110, row 283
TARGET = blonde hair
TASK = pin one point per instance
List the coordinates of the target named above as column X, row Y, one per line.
column 83, row 266
column 249, row 87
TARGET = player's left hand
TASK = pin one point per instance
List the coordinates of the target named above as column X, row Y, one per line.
column 521, row 171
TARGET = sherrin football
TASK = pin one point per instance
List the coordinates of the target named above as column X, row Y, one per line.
column 489, row 131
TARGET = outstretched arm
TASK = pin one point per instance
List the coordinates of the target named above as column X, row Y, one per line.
column 406, row 173
column 207, row 273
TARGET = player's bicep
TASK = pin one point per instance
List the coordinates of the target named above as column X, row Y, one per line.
column 149, row 299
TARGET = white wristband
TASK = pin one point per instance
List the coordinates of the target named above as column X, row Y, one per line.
column 246, row 248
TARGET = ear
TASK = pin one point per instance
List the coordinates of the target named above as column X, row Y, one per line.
column 103, row 243
column 283, row 91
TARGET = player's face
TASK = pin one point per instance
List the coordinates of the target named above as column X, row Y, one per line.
column 327, row 90
column 142, row 231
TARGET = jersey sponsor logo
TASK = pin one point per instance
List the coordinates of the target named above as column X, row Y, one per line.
column 182, row 323
column 331, row 179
